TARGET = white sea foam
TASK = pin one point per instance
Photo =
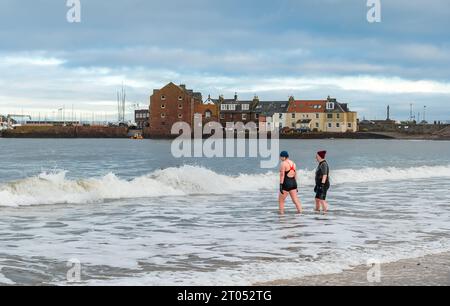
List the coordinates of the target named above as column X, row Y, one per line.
column 4, row 280
column 56, row 188
column 263, row 272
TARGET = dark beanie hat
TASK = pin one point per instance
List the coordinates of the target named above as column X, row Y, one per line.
column 322, row 154
column 284, row 154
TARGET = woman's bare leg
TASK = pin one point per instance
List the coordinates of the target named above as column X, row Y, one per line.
column 318, row 205
column 296, row 200
column 324, row 204
column 282, row 201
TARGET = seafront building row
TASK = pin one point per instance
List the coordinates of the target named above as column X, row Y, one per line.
column 174, row 103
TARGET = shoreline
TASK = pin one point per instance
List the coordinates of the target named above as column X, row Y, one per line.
column 321, row 136
column 429, row 270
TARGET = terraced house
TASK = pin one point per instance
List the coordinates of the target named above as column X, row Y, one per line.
column 307, row 115
column 235, row 110
column 273, row 115
column 339, row 118
column 321, row 116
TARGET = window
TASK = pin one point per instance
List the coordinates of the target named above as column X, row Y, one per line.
column 330, row 116
column 338, row 116
column 180, row 116
column 222, row 116
column 317, row 124
column 330, row 125
column 293, row 125
column 180, row 106
column 180, row 98
column 338, row 125
column 293, row 116
column 245, row 107
column 330, row 105
column 208, row 114
column 163, row 106
column 228, row 107
column 163, row 115
column 244, row 116
column 317, row 116
column 349, row 125
column 256, row 116
column 163, row 98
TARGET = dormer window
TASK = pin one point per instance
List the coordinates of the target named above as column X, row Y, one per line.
column 330, row 105
column 245, row 107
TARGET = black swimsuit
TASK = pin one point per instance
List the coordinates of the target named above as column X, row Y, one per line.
column 290, row 183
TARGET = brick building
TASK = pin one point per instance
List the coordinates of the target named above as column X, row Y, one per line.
column 208, row 110
column 235, row 110
column 171, row 104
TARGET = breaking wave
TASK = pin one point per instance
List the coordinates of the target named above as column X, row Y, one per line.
column 56, row 188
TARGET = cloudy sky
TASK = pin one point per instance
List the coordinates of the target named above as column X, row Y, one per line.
column 274, row 49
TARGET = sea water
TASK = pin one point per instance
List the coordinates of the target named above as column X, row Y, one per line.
column 131, row 214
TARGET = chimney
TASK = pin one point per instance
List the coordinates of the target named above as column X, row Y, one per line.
column 255, row 101
column 183, row 86
column 235, row 96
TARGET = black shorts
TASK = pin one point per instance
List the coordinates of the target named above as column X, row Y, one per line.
column 290, row 184
column 321, row 194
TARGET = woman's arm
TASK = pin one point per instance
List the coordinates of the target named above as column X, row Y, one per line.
column 281, row 178
column 282, row 173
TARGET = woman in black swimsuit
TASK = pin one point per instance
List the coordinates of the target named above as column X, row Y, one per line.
column 288, row 183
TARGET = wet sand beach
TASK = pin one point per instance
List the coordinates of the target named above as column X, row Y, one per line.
column 432, row 270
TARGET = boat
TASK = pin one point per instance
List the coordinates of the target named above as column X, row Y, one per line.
column 137, row 137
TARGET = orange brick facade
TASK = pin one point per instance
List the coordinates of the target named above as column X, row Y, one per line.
column 169, row 105
column 209, row 112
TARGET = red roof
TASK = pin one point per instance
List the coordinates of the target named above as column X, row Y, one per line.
column 307, row 106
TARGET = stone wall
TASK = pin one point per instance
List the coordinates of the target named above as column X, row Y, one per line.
column 66, row 132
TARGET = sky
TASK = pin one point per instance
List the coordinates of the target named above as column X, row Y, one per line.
column 273, row 49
